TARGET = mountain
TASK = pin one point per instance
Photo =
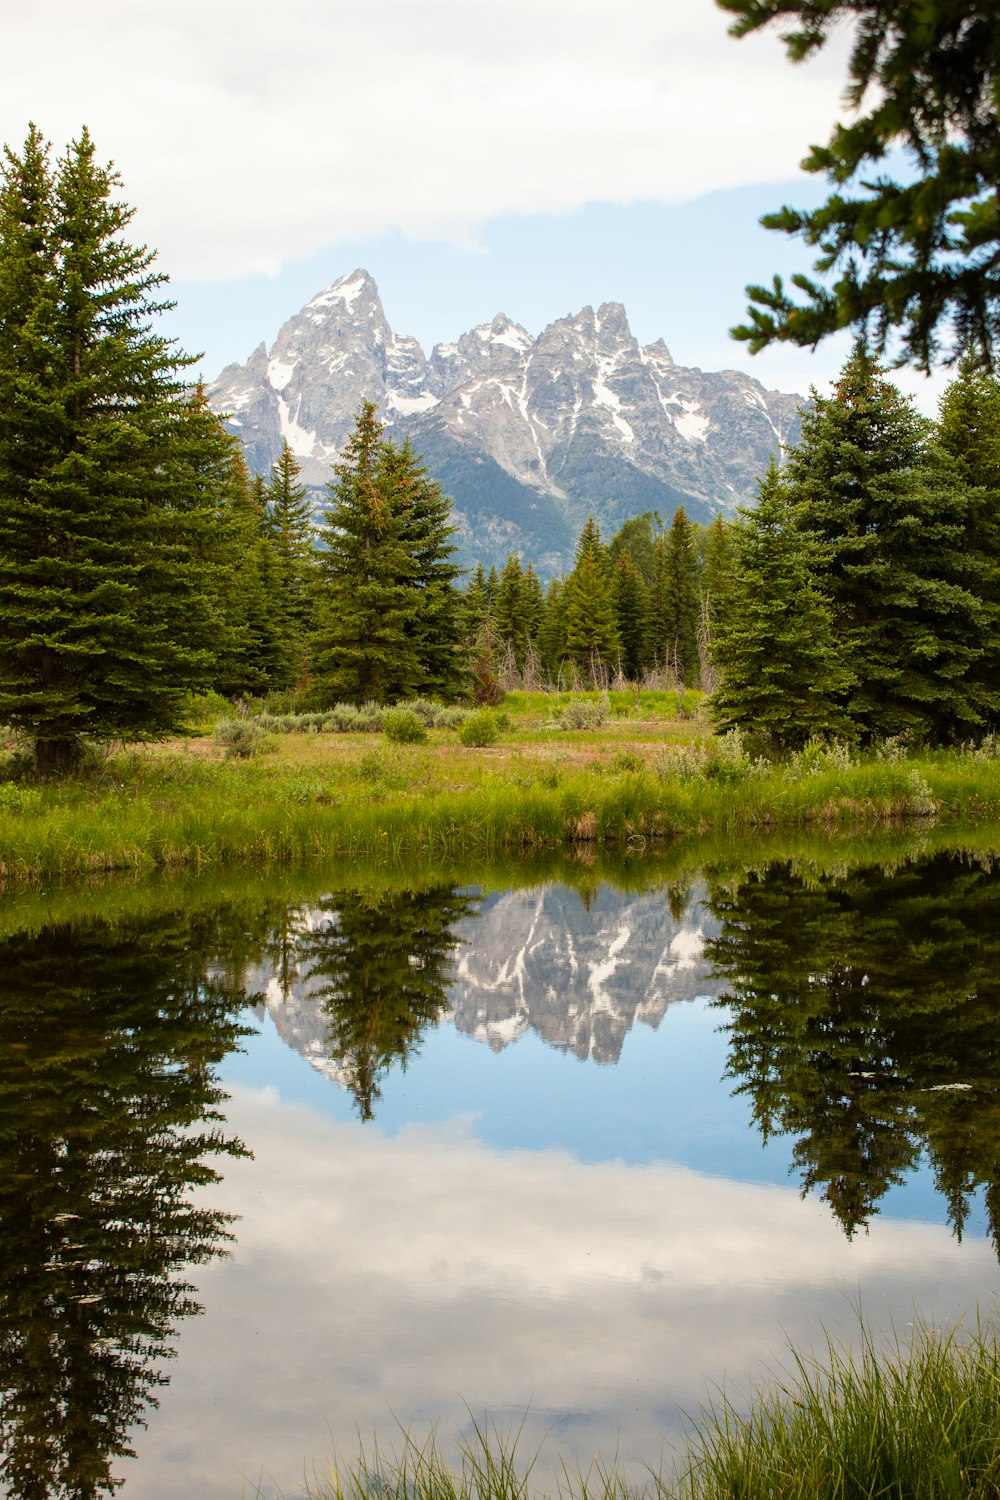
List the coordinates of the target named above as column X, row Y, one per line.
column 578, row 975
column 528, row 435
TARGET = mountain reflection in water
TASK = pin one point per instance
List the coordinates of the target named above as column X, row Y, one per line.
column 859, row 1013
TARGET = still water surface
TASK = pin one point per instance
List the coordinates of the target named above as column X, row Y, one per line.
column 570, row 1148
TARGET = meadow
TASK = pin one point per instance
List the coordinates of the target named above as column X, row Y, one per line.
column 544, row 772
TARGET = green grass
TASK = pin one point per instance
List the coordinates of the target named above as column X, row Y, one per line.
column 314, row 796
column 915, row 1419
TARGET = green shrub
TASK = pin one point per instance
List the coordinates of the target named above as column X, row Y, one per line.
column 626, row 760
column 450, row 718
column 19, row 798
column 681, row 763
column 202, row 711
column 425, row 709
column 402, row 726
column 240, row 738
column 479, row 728
column 584, row 713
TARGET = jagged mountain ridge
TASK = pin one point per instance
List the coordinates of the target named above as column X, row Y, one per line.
column 527, row 434
column 580, row 977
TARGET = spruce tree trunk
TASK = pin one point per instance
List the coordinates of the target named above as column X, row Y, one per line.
column 56, row 757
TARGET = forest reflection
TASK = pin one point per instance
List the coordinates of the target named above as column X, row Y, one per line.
column 109, row 1117
column 859, row 1006
column 861, row 1011
column 378, row 967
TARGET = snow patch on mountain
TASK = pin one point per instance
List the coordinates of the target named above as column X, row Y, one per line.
column 579, row 418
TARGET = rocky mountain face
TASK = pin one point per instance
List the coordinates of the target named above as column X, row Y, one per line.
column 579, row 976
column 528, row 435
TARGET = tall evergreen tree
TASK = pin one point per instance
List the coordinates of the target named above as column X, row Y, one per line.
column 713, row 583
column 509, row 619
column 674, row 606
column 364, row 648
column 588, row 611
column 969, row 431
column 631, row 605
column 532, row 601
column 390, row 616
column 288, row 525
column 891, row 518
column 108, row 597
column 437, row 625
column 252, row 591
column 212, row 465
column 476, row 603
column 552, row 630
column 716, row 567
column 783, row 674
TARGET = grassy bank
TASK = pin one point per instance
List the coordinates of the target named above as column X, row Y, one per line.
column 634, row 779
column 915, row 1421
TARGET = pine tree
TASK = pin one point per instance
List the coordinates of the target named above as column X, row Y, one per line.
column 552, row 630
column 683, row 610
column 713, row 584
column 891, row 517
column 427, row 533
column 476, row 604
column 969, row 431
column 364, row 648
column 674, row 606
column 250, row 594
column 631, row 605
column 288, row 525
column 391, row 618
column 716, row 567
column 588, row 612
column 212, row 462
column 532, row 602
column 108, row 584
column 509, row 620
column 783, row 674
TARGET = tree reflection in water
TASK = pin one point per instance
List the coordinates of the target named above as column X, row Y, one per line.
column 109, row 1117
column 863, row 1019
column 379, row 964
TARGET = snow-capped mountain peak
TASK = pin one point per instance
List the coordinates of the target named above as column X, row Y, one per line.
column 527, row 433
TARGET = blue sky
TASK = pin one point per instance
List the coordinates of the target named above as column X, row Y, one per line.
column 530, row 156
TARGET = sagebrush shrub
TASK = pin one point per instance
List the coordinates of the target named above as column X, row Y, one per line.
column 479, row 728
column 402, row 726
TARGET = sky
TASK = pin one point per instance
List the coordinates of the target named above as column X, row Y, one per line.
column 529, row 156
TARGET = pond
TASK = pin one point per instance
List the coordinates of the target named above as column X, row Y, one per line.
column 288, row 1162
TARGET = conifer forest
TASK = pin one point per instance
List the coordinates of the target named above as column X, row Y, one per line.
column 139, row 558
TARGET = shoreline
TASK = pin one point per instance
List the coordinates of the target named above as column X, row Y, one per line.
column 314, row 798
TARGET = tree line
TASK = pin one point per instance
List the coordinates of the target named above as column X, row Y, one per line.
column 139, row 559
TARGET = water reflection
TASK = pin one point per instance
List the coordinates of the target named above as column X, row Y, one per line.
column 604, row 1283
column 109, row 1116
column 862, row 1013
column 377, row 967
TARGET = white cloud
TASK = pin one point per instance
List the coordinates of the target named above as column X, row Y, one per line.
column 249, row 134
column 375, row 1276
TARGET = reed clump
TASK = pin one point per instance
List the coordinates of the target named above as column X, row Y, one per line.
column 915, row 1419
